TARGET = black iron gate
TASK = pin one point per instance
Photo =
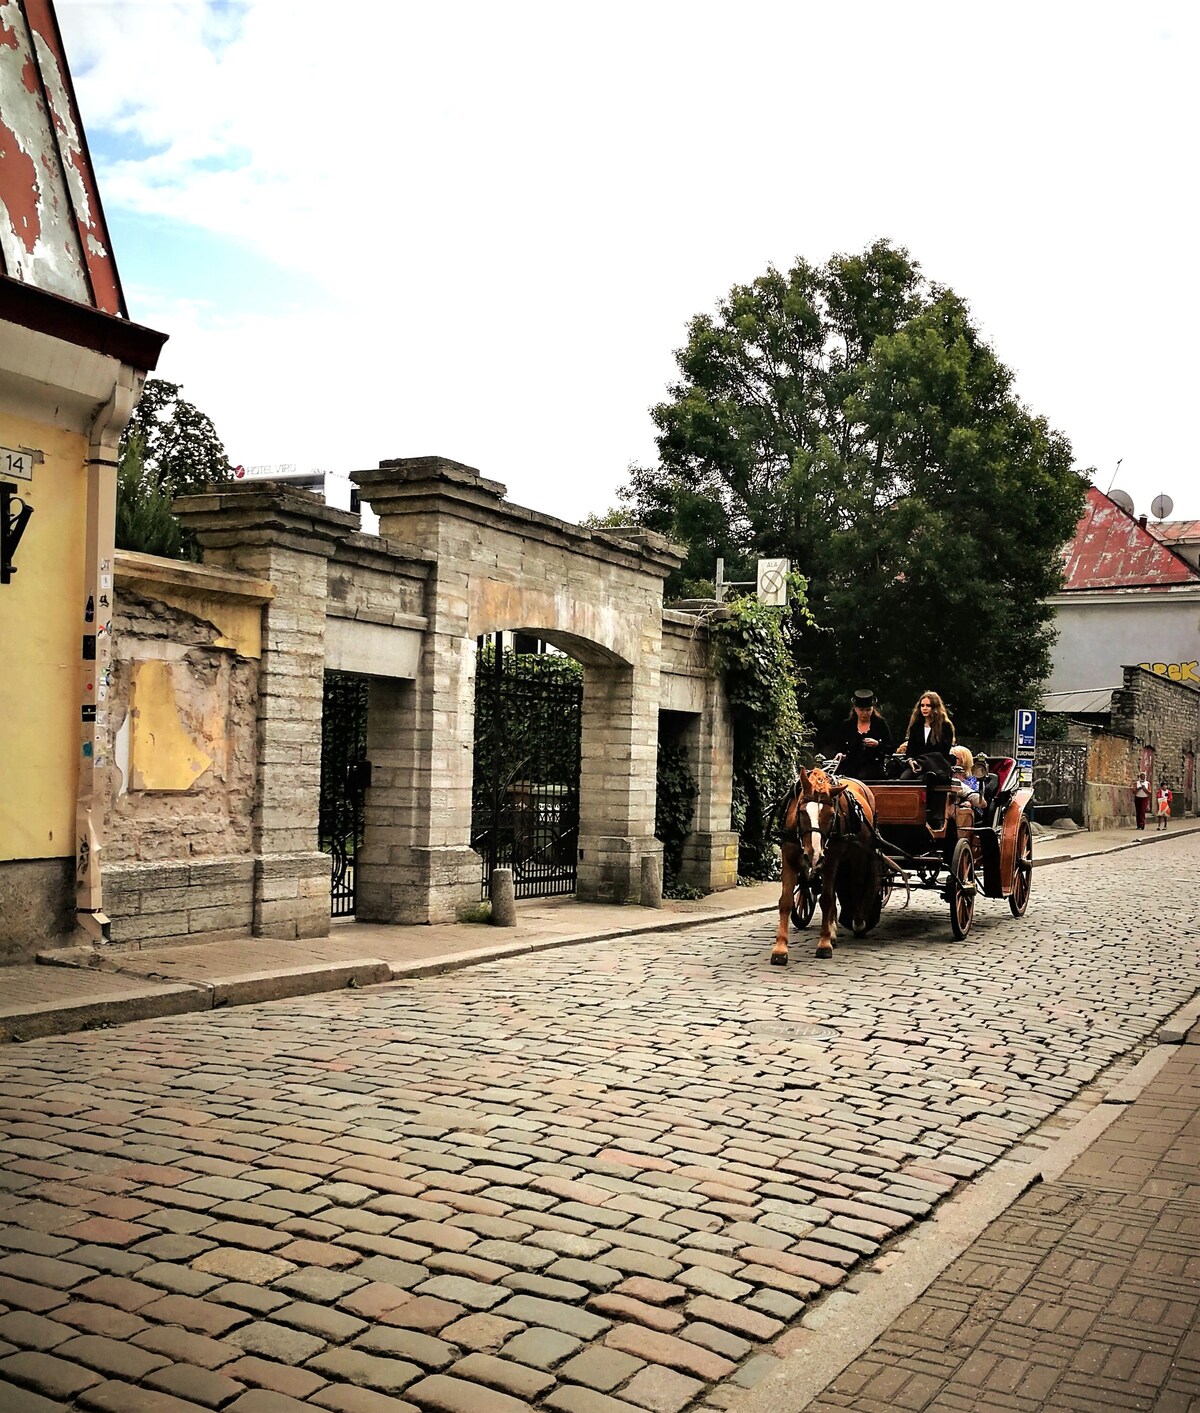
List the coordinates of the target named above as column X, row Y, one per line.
column 345, row 775
column 525, row 792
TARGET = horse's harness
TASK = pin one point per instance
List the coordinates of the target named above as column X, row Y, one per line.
column 847, row 824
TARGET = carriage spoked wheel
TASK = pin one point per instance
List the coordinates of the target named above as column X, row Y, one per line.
column 1018, row 899
column 804, row 904
column 961, row 889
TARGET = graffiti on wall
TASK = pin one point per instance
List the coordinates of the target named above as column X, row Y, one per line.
column 1176, row 671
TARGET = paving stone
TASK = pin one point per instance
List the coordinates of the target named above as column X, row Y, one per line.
column 661, row 1390
column 733, row 1317
column 199, row 1385
column 652, row 1292
column 422, row 1312
column 554, row 1315
column 586, row 1400
column 115, row 1396
column 443, row 1394
column 183, row 1347
column 600, row 1368
column 44, row 1270
column 775, row 1303
column 277, row 1378
column 318, row 1284
column 485, row 1333
column 519, row 1380
column 125, row 1294
column 200, row 1315
column 722, row 1342
column 374, row 1299
column 512, row 1256
column 258, row 1400
column 22, row 1400
column 117, row 1359
column 355, row 1366
column 253, row 1267
column 454, row 1263
column 459, row 1290
column 46, row 1374
column 540, row 1347
column 254, row 1298
column 420, row 1348
column 624, row 1307
column 179, row 1280
column 595, row 1275
column 528, row 1283
column 171, row 1246
column 317, row 1253
column 28, row 1330
column 330, row 1325
column 341, row 1398
column 275, row 1341
column 656, row 1348
column 386, row 1270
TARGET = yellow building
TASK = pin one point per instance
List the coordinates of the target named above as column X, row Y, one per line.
column 71, row 369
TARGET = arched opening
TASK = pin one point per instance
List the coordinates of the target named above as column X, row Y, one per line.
column 525, row 783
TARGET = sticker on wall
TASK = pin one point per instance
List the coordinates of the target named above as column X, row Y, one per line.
column 104, row 566
column 89, row 610
column 89, row 647
column 89, row 712
column 104, row 601
column 87, row 750
column 105, row 583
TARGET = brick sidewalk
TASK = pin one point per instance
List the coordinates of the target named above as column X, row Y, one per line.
column 1084, row 1295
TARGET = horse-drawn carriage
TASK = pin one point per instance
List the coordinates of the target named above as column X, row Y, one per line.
column 848, row 845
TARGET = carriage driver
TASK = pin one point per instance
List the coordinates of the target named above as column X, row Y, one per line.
column 864, row 741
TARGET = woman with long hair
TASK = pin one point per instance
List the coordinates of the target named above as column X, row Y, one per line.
column 930, row 730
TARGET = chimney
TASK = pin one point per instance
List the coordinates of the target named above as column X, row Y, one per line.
column 1142, row 521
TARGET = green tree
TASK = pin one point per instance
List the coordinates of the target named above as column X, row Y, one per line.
column 169, row 447
column 851, row 418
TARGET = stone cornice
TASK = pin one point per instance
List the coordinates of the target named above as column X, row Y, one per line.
column 150, row 571
column 243, row 513
column 436, row 485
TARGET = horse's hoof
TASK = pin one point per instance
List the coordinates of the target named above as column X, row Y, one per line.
column 779, row 959
column 824, row 954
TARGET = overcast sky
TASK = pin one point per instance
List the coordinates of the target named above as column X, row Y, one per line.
column 378, row 228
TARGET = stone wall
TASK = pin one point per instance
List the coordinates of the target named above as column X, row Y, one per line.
column 1112, row 766
column 1164, row 716
column 177, row 856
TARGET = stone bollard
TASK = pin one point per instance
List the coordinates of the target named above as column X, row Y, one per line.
column 651, row 881
column 504, row 898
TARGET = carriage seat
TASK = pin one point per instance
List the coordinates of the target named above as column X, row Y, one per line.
column 1005, row 769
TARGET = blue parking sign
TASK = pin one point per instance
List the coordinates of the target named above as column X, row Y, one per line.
column 1025, row 729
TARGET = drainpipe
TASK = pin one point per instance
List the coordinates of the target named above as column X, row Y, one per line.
column 95, row 626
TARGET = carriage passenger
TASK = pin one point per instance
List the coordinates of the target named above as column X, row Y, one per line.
column 865, row 741
column 930, row 733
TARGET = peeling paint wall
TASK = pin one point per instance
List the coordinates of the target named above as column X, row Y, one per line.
column 52, row 231
column 184, row 714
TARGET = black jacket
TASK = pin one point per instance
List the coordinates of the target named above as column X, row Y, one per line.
column 859, row 761
column 917, row 746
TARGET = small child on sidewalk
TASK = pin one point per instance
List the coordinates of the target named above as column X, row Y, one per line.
column 1162, row 806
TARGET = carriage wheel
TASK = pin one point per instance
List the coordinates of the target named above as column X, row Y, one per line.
column 961, row 887
column 1018, row 899
column 804, row 904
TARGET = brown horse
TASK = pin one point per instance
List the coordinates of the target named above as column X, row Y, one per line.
column 828, row 841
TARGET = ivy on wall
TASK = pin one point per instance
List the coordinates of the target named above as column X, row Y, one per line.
column 675, row 799
column 753, row 651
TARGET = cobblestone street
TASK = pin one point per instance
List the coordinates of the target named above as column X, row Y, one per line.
column 597, row 1180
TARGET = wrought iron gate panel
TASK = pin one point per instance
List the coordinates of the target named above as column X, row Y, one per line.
column 345, row 774
column 525, row 792
column 1064, row 765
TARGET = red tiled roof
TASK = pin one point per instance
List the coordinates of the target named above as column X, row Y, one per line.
column 1174, row 531
column 1111, row 550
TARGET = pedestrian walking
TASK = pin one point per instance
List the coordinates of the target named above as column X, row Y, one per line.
column 1141, row 798
column 1162, row 805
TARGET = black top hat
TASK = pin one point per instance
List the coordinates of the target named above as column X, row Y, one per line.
column 864, row 697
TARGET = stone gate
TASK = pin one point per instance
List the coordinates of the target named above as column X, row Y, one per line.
column 454, row 560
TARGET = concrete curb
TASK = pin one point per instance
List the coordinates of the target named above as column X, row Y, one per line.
column 64, row 1018
column 857, row 1320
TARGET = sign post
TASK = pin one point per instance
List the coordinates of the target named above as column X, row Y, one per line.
column 1025, row 743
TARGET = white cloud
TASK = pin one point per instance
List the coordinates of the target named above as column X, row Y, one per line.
column 509, row 212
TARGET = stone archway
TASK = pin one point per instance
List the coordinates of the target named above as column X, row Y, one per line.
column 597, row 594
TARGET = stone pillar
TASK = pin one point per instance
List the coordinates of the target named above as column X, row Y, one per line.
column 710, row 852
column 418, row 865
column 283, row 535
column 617, row 781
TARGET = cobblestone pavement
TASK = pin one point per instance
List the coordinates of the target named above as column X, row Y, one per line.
column 1081, row 1298
column 598, row 1180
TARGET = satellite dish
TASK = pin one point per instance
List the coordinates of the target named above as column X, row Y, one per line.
column 1161, row 507
column 1123, row 499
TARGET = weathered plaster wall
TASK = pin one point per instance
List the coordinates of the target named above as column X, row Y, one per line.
column 1099, row 634
column 178, row 857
